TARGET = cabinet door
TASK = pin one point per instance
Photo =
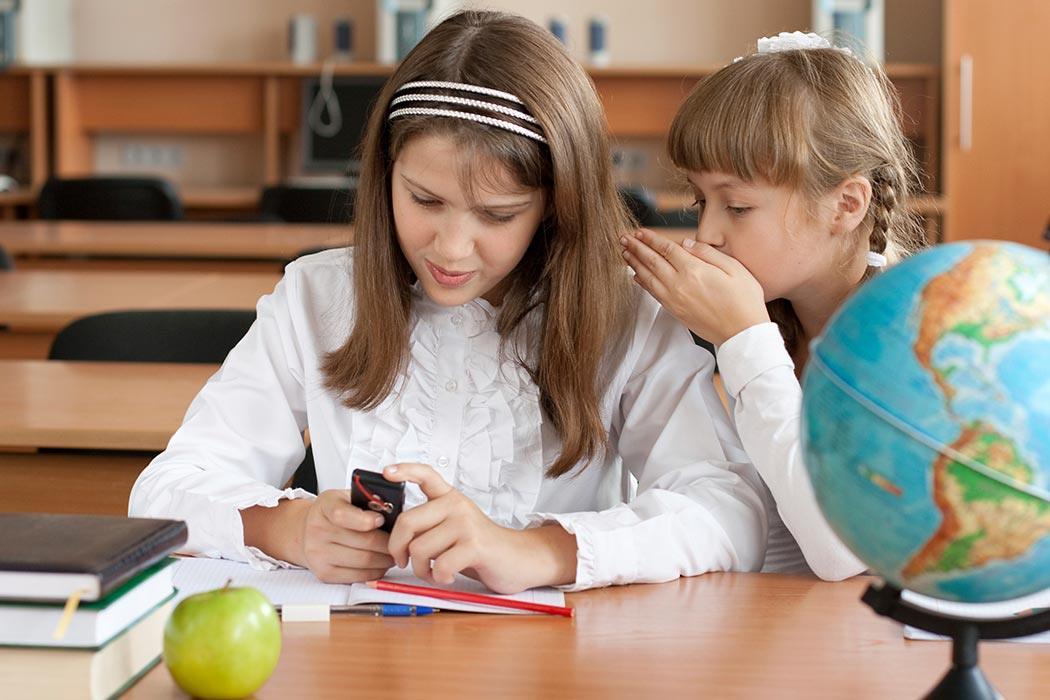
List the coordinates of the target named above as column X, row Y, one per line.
column 997, row 114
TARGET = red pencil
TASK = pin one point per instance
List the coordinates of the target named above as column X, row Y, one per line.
column 470, row 598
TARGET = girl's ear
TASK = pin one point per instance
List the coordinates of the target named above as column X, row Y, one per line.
column 852, row 198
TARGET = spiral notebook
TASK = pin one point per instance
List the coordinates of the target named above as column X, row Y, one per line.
column 985, row 611
column 301, row 587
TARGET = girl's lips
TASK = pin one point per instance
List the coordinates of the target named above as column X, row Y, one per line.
column 446, row 278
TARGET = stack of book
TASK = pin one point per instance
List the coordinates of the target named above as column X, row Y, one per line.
column 83, row 602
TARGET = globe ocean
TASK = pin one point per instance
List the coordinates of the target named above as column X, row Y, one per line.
column 926, row 422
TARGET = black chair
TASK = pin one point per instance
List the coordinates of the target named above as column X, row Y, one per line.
column 110, row 199
column 193, row 336
column 199, row 336
column 644, row 208
column 307, row 205
column 639, row 202
column 676, row 218
column 6, row 261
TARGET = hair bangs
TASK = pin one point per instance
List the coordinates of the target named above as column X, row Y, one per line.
column 500, row 162
column 486, row 156
column 743, row 121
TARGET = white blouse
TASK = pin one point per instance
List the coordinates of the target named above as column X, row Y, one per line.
column 766, row 400
column 474, row 415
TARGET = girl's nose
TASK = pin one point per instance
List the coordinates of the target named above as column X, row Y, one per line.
column 454, row 240
column 708, row 231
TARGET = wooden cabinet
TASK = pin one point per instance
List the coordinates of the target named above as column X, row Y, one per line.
column 257, row 102
column 23, row 118
column 260, row 106
column 997, row 125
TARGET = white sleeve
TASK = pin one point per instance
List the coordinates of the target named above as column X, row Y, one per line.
column 698, row 506
column 240, row 441
column 759, row 375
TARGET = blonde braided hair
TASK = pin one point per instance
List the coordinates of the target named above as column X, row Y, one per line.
column 808, row 119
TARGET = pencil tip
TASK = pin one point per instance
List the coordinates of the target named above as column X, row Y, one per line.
column 371, row 584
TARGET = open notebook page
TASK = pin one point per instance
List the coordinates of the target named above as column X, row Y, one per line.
column 195, row 575
column 983, row 611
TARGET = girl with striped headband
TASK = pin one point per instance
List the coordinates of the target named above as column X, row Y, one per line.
column 482, row 343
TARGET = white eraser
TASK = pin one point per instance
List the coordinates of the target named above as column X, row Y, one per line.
column 304, row 612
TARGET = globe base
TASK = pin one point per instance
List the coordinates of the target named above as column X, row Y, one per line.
column 964, row 681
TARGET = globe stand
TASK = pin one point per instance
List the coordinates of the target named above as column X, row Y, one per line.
column 965, row 680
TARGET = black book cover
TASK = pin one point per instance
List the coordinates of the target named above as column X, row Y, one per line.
column 112, row 548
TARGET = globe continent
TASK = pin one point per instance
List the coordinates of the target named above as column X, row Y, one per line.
column 926, row 422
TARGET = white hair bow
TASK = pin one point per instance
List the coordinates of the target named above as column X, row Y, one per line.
column 794, row 41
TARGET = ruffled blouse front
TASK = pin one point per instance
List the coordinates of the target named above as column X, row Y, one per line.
column 673, row 495
column 463, row 407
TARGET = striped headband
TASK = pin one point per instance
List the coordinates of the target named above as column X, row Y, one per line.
column 498, row 112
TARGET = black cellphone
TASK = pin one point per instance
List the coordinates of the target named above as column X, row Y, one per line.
column 370, row 491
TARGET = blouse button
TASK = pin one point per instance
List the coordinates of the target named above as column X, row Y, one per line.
column 457, row 320
column 442, row 461
column 450, row 385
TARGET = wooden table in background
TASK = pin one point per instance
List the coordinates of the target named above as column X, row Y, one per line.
column 128, row 409
column 95, row 405
column 36, row 304
column 55, row 482
column 717, row 635
column 186, row 246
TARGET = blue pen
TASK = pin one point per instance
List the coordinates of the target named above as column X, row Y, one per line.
column 385, row 610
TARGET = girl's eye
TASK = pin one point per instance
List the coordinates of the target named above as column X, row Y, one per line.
column 699, row 203
column 738, row 211
column 422, row 201
column 498, row 218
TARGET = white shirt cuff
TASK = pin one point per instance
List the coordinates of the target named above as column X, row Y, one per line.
column 603, row 557
column 751, row 353
column 269, row 498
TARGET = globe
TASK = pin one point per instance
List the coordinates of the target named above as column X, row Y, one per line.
column 926, row 422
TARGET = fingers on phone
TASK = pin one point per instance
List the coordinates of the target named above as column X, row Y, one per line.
column 353, row 518
column 349, row 558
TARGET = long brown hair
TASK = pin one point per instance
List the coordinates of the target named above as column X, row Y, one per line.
column 807, row 119
column 571, row 269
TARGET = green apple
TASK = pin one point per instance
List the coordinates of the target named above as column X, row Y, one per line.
column 223, row 643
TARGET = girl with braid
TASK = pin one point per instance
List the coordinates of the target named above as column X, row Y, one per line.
column 800, row 171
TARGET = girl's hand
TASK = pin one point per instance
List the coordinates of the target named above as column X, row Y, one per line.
column 341, row 542
column 449, row 534
column 708, row 291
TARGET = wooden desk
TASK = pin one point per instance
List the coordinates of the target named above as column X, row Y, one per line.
column 95, row 405
column 181, row 246
column 130, row 409
column 718, row 635
column 36, row 304
column 45, row 482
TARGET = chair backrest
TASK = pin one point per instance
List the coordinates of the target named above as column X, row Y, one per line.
column 201, row 336
column 6, row 261
column 109, row 198
column 640, row 203
column 307, row 205
column 192, row 336
column 676, row 218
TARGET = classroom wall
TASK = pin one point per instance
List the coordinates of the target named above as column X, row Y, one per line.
column 654, row 32
column 206, row 31
column 651, row 33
